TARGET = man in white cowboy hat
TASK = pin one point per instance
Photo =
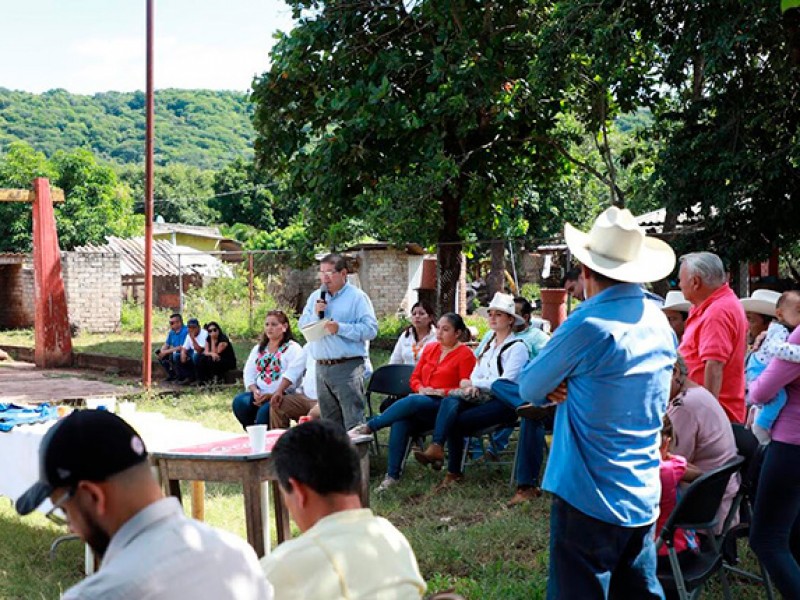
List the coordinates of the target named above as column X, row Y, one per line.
column 608, row 366
column 676, row 307
column 714, row 341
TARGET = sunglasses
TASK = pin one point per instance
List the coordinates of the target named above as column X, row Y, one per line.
column 212, row 330
column 57, row 514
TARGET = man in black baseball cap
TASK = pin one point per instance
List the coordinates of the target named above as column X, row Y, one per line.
column 93, row 466
column 90, row 445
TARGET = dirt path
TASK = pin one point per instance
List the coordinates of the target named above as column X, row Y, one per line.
column 23, row 382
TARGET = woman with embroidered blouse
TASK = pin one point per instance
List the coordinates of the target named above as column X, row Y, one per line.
column 275, row 367
column 421, row 332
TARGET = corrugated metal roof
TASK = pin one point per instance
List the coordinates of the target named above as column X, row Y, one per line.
column 167, row 258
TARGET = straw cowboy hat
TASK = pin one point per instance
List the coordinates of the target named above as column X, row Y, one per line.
column 762, row 302
column 618, row 248
column 676, row 301
column 503, row 303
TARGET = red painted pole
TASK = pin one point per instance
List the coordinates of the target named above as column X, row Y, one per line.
column 53, row 342
column 147, row 359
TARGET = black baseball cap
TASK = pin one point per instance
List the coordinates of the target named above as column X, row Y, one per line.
column 193, row 321
column 87, row 445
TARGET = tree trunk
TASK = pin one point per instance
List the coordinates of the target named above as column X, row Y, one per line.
column 495, row 280
column 448, row 253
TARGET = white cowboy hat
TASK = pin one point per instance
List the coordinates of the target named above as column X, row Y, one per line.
column 618, row 248
column 503, row 303
column 762, row 302
column 676, row 301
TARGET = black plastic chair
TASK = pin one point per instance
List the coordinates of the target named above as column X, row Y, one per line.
column 393, row 381
column 697, row 509
column 753, row 454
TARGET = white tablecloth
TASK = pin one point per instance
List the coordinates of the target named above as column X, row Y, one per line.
column 19, row 448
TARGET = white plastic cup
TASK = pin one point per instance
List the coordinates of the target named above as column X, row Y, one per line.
column 258, row 438
column 127, row 409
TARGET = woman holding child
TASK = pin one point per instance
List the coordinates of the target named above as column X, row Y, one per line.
column 775, row 529
column 441, row 368
column 275, row 367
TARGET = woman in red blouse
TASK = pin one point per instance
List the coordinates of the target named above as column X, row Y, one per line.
column 440, row 369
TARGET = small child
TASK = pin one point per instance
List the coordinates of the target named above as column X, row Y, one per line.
column 673, row 470
column 774, row 345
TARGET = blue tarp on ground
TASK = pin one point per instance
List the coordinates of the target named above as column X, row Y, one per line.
column 12, row 415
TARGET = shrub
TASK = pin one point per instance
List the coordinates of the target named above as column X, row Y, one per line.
column 391, row 327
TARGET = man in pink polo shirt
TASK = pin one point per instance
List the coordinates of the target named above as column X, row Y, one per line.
column 715, row 336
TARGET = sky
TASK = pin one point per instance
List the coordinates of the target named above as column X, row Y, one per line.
column 90, row 46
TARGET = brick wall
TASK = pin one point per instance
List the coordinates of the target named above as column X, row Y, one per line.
column 93, row 285
column 16, row 295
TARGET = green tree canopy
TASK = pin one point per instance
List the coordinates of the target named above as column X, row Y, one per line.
column 96, row 204
column 398, row 119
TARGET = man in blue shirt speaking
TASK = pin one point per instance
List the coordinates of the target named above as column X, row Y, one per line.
column 341, row 349
column 608, row 367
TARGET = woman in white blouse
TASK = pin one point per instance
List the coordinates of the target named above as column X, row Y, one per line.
column 275, row 367
column 503, row 357
column 420, row 333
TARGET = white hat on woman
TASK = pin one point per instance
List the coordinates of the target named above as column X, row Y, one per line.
column 618, row 248
column 503, row 303
column 762, row 302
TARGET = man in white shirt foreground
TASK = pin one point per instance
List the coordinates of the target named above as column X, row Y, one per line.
column 94, row 468
column 345, row 551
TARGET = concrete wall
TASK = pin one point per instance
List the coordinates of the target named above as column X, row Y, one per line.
column 16, row 295
column 384, row 277
column 93, row 283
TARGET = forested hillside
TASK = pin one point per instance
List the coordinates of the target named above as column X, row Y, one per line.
column 201, row 128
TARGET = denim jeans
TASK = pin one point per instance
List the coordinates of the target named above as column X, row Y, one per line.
column 248, row 413
column 340, row 390
column 170, row 364
column 403, row 409
column 402, row 431
column 188, row 369
column 473, row 418
column 593, row 559
column 498, row 441
column 775, row 529
column 449, row 409
column 531, row 434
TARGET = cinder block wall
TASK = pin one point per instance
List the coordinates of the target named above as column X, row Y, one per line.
column 93, row 285
column 384, row 277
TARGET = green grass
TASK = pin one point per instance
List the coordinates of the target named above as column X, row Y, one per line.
column 465, row 538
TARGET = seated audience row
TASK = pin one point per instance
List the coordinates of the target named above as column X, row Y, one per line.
column 193, row 353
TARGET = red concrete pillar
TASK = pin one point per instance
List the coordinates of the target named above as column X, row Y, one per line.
column 51, row 320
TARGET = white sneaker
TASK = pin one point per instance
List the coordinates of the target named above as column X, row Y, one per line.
column 362, row 429
column 386, row 484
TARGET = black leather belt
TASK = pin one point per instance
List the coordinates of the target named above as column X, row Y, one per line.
column 337, row 361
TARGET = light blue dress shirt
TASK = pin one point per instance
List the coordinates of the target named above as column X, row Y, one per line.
column 352, row 309
column 616, row 352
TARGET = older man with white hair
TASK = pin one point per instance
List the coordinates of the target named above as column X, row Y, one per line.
column 714, row 341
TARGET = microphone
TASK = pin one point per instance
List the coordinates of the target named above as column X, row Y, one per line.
column 322, row 291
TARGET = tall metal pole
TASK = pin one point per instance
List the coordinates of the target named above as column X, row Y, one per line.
column 148, row 207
